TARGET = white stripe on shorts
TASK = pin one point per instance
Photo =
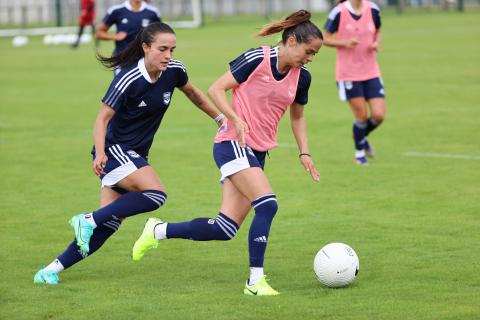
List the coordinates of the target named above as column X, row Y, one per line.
column 111, row 178
column 341, row 91
column 117, row 152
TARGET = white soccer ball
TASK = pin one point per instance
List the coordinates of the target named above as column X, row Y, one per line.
column 336, row 265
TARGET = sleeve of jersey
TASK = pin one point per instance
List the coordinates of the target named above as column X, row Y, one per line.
column 333, row 20
column 243, row 66
column 181, row 72
column 109, row 18
column 114, row 97
column 303, row 86
column 376, row 18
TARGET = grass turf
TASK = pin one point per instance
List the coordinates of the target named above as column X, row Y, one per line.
column 413, row 221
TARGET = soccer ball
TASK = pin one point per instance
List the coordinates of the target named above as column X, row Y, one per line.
column 336, row 265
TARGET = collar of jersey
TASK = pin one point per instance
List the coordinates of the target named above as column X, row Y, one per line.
column 129, row 7
column 143, row 70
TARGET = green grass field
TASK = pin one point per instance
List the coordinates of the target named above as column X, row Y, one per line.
column 412, row 216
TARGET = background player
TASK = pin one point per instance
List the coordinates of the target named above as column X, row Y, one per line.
column 86, row 18
column 129, row 18
column 264, row 81
column 356, row 24
column 129, row 117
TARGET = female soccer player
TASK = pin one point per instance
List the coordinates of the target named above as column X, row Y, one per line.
column 264, row 82
column 129, row 18
column 86, row 18
column 129, row 117
column 357, row 27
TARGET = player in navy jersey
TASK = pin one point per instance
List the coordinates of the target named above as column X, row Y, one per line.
column 129, row 18
column 264, row 83
column 129, row 117
column 353, row 28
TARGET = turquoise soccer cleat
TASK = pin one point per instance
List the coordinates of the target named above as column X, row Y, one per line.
column 261, row 288
column 83, row 232
column 46, row 277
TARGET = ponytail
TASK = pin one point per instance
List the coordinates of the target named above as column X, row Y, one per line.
column 297, row 24
column 134, row 51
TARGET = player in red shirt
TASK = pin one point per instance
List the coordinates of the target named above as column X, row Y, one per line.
column 86, row 18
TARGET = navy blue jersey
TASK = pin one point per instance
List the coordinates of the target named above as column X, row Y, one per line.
column 140, row 104
column 245, row 64
column 129, row 21
column 334, row 17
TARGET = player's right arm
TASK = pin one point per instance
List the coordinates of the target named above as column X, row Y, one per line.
column 103, row 34
column 330, row 41
column 218, row 94
column 99, row 131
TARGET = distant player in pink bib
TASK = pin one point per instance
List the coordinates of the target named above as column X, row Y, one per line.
column 264, row 82
column 356, row 24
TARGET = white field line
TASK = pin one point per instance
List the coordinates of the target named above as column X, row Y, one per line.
column 440, row 155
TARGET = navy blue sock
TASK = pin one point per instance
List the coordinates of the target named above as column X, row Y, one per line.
column 73, row 254
column 359, row 134
column 371, row 125
column 265, row 209
column 204, row 229
column 130, row 204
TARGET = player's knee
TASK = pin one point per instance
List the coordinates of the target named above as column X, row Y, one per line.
column 266, row 205
column 157, row 197
column 226, row 228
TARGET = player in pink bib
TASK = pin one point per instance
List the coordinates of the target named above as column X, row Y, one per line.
column 265, row 82
column 357, row 27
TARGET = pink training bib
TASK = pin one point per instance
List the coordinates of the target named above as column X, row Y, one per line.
column 261, row 101
column 359, row 63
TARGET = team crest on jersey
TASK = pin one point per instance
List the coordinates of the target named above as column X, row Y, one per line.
column 145, row 22
column 133, row 154
column 348, row 85
column 124, row 21
column 166, row 97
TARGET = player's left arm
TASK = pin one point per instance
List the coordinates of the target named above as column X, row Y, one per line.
column 377, row 39
column 299, row 128
column 201, row 101
column 377, row 21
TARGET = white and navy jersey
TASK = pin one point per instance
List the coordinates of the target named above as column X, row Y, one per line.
column 129, row 21
column 140, row 104
column 334, row 17
column 245, row 64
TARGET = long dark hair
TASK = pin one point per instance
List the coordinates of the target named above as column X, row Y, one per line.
column 297, row 24
column 134, row 51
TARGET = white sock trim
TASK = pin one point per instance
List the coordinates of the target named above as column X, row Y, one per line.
column 56, row 266
column 255, row 275
column 90, row 220
column 160, row 231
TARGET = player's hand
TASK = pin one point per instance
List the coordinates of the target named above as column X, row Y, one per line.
column 350, row 43
column 375, row 46
column 307, row 163
column 120, row 36
column 242, row 131
column 99, row 163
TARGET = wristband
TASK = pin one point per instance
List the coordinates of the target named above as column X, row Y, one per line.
column 304, row 154
column 219, row 118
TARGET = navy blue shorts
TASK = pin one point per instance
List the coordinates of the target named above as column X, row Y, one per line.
column 122, row 161
column 231, row 158
column 372, row 88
